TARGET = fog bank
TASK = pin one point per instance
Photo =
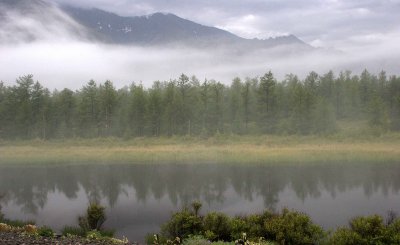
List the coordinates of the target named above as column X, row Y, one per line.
column 71, row 64
column 60, row 53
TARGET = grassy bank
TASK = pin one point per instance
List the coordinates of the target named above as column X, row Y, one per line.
column 218, row 149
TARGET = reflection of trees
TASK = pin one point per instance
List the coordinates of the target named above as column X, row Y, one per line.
column 29, row 186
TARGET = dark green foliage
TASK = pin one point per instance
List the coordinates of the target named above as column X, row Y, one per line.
column 377, row 114
column 94, row 218
column 238, row 225
column 73, row 230
column 368, row 230
column 393, row 232
column 217, row 226
column 88, row 110
column 323, row 119
column 107, row 101
column 138, row 110
column 344, row 236
column 267, row 102
column 107, row 233
column 292, row 227
column 289, row 227
column 252, row 225
column 182, row 224
column 45, row 232
column 196, row 206
column 256, row 224
column 186, row 106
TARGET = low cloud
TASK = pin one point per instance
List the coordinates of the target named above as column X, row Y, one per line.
column 59, row 55
column 72, row 64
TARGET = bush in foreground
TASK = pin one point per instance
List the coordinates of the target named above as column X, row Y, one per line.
column 288, row 227
column 292, row 227
column 367, row 230
column 73, row 231
column 182, row 224
column 45, row 232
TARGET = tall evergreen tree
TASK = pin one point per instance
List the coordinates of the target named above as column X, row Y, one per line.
column 155, row 109
column 138, row 110
column 107, row 101
column 266, row 100
column 89, row 110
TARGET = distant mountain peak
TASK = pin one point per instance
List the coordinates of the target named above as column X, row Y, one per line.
column 162, row 28
column 159, row 28
column 159, row 14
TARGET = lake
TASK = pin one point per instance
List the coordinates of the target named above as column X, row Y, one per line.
column 139, row 197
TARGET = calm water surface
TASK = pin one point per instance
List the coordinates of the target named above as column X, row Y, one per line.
column 139, row 198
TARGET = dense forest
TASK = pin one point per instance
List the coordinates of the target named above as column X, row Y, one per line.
column 187, row 106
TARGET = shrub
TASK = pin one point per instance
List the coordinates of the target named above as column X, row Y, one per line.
column 95, row 216
column 368, row 227
column 30, row 229
column 155, row 239
column 73, row 230
column 196, row 206
column 345, row 236
column 368, row 230
column 195, row 240
column 5, row 227
column 107, row 233
column 252, row 225
column 217, row 226
column 45, row 232
column 94, row 219
column 293, row 228
column 256, row 223
column 393, row 232
column 182, row 224
column 238, row 225
column 94, row 235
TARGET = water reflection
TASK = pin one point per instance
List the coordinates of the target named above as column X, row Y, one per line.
column 140, row 197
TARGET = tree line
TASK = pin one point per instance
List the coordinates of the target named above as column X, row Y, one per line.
column 188, row 106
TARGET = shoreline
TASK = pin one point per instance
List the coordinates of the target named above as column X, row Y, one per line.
column 233, row 150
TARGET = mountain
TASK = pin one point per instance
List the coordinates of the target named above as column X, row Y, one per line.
column 164, row 28
column 32, row 20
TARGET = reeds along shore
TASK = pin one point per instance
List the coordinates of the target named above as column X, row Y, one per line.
column 220, row 149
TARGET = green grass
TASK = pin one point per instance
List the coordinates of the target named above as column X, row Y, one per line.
column 73, row 230
column 353, row 142
column 17, row 223
column 265, row 149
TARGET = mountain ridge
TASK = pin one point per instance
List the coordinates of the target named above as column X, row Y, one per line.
column 32, row 20
column 165, row 28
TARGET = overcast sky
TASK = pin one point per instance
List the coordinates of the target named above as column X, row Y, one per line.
column 367, row 31
column 341, row 24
